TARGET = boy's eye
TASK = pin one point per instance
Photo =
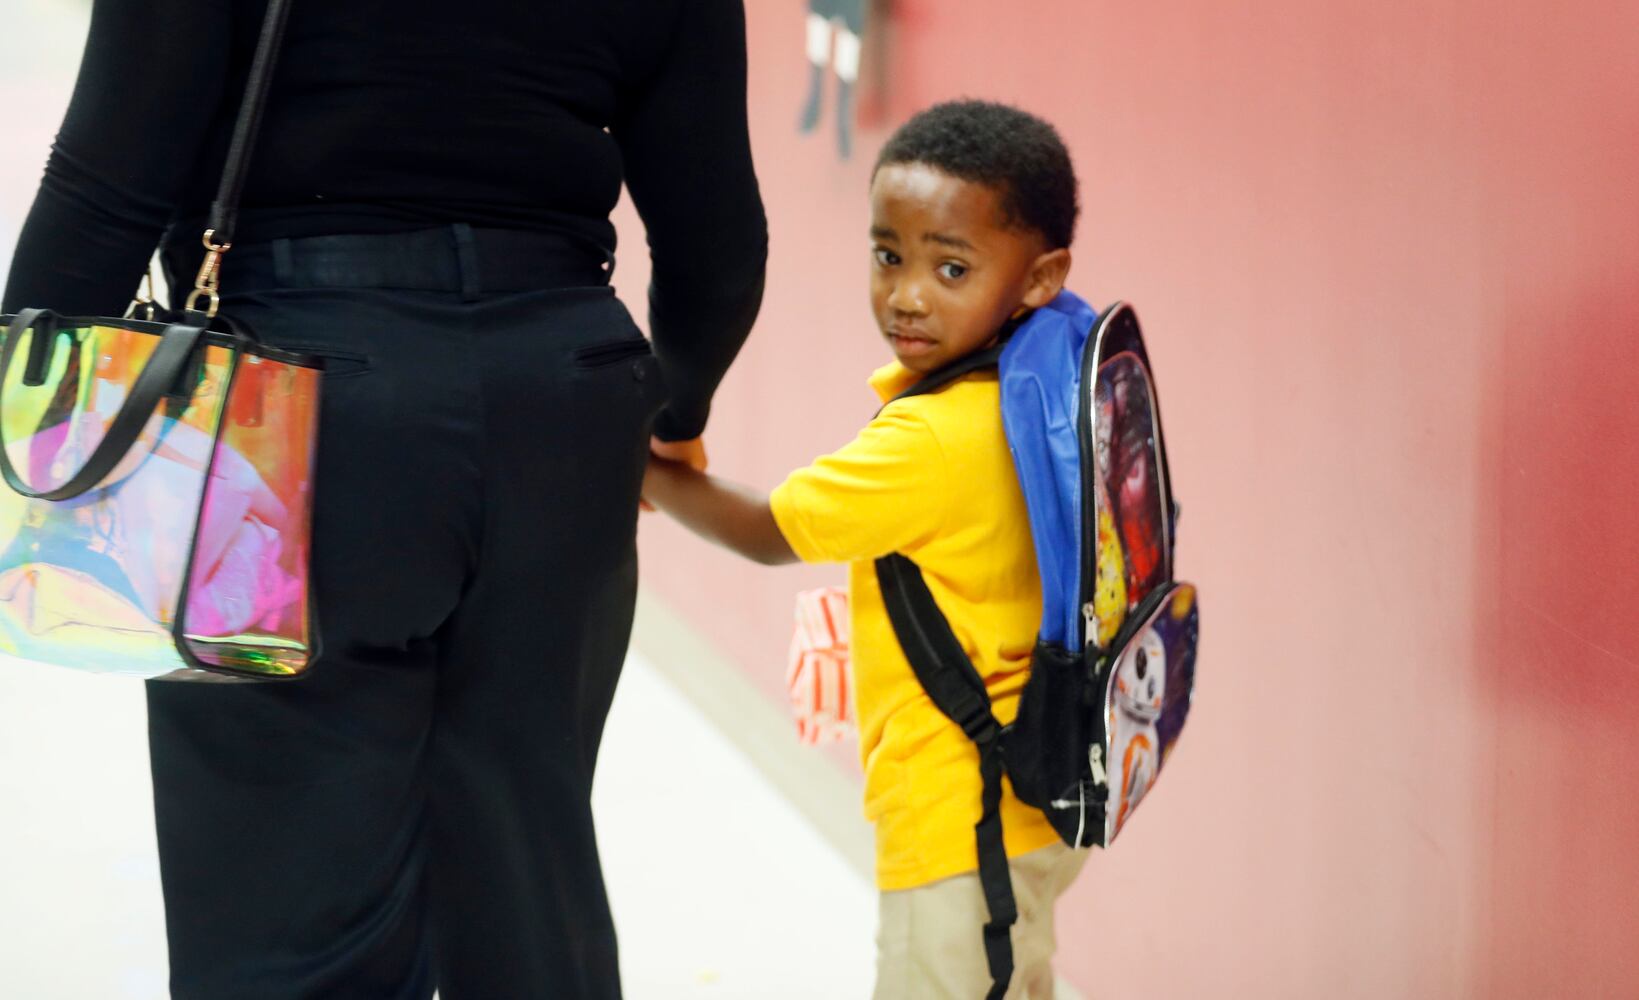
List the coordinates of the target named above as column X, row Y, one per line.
column 885, row 257
column 952, row 271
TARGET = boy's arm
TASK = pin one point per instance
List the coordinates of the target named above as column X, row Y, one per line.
column 734, row 517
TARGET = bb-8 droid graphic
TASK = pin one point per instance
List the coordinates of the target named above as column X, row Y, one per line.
column 1135, row 744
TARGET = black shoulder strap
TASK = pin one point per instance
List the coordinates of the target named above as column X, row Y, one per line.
column 956, row 689
column 954, row 686
column 935, row 654
column 986, row 358
column 225, row 209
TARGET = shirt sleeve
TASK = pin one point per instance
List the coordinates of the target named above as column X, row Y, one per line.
column 687, row 152
column 886, row 491
column 150, row 86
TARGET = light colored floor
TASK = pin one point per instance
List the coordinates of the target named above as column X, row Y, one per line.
column 741, row 898
column 756, row 907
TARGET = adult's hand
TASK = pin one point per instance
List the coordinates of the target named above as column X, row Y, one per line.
column 691, row 453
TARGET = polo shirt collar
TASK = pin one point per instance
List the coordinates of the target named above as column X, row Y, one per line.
column 892, row 379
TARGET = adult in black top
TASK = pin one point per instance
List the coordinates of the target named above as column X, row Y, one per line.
column 393, row 115
column 427, row 210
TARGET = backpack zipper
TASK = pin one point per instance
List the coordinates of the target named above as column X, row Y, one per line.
column 1089, row 493
column 1095, row 763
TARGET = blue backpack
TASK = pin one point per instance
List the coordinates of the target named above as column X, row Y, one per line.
column 1114, row 665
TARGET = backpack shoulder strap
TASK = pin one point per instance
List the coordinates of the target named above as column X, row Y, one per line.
column 956, row 689
column 987, row 358
column 954, row 686
column 935, row 654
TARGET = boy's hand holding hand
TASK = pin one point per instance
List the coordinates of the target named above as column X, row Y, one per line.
column 733, row 517
column 691, row 453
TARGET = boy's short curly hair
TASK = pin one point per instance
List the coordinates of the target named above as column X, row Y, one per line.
column 1002, row 147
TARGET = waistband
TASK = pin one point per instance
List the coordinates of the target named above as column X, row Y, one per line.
column 454, row 258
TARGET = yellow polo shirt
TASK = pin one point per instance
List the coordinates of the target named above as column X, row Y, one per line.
column 931, row 477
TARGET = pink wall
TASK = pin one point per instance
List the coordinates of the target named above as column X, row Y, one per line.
column 1388, row 256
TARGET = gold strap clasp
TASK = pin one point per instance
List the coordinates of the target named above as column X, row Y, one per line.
column 144, row 302
column 209, row 281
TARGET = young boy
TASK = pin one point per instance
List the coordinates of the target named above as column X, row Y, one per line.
column 973, row 207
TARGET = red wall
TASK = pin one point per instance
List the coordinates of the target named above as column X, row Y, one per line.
column 1388, row 259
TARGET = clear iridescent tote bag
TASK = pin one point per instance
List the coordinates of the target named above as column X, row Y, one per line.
column 158, row 478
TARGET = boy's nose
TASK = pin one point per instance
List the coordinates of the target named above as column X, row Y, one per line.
column 906, row 298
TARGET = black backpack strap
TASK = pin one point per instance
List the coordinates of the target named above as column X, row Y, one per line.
column 987, row 358
column 957, row 690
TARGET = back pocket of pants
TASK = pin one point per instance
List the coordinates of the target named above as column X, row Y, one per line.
column 611, row 353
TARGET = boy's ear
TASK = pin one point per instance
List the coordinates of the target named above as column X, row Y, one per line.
column 1046, row 279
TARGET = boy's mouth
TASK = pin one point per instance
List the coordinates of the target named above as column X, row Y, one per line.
column 910, row 342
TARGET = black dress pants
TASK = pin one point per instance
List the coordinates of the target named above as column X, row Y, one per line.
column 415, row 814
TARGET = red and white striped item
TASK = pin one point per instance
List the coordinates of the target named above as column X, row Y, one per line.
column 820, row 675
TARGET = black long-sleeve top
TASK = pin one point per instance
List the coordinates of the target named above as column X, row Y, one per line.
column 392, row 115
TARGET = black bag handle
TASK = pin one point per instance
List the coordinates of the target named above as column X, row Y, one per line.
column 163, row 370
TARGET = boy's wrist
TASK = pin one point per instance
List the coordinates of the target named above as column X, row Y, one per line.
column 660, row 481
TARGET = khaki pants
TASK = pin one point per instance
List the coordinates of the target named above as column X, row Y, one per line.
column 930, row 945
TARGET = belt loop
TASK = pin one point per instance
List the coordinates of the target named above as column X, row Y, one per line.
column 284, row 265
column 466, row 255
